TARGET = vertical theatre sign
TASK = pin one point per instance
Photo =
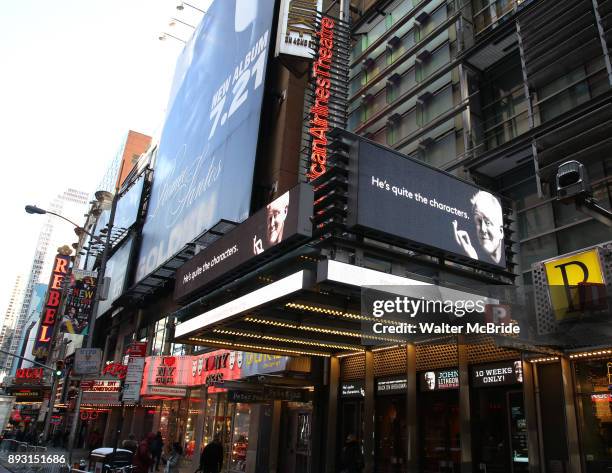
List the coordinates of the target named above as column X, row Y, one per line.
column 326, row 99
column 49, row 315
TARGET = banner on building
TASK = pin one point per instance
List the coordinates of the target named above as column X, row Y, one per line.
column 206, row 156
column 42, row 344
column 401, row 198
column 79, row 301
column 284, row 220
column 117, row 272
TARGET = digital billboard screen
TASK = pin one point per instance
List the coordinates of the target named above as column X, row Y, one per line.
column 116, row 269
column 279, row 222
column 497, row 374
column 206, row 155
column 439, row 380
column 406, row 199
column 128, row 205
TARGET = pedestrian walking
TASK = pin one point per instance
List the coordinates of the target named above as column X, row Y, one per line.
column 157, row 448
column 211, row 459
column 143, row 460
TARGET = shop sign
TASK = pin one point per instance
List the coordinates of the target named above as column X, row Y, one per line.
column 165, row 391
column 87, row 361
column 89, row 415
column 29, row 375
column 100, row 391
column 166, row 371
column 27, row 395
column 497, row 374
column 352, row 389
column 116, row 370
column 258, row 363
column 284, row 394
column 439, row 380
column 209, row 369
column 285, row 219
column 101, row 398
column 49, row 315
column 576, row 283
column 137, row 349
column 604, row 397
column 268, row 394
column 297, row 28
column 133, row 379
column 216, row 367
column 101, row 385
column 396, row 385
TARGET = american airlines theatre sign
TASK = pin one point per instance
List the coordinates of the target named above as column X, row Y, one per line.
column 326, row 101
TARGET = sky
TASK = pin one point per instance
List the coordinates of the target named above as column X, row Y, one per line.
column 76, row 76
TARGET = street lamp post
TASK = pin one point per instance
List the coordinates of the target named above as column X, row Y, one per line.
column 102, row 197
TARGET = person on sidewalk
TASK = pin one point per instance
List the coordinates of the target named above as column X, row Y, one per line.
column 157, row 448
column 143, row 460
column 173, row 460
column 130, row 443
column 211, row 459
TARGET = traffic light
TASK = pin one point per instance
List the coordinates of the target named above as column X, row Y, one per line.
column 59, row 369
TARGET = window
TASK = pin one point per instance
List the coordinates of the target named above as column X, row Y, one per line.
column 536, row 220
column 582, row 235
column 563, row 94
column 536, row 250
column 593, row 402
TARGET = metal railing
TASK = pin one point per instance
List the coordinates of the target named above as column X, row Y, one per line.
column 15, row 446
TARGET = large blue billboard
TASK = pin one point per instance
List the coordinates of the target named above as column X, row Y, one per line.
column 205, row 160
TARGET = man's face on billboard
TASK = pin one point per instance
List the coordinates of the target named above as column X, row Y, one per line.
column 489, row 225
column 277, row 213
column 430, row 380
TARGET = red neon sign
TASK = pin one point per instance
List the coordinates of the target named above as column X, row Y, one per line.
column 319, row 112
column 91, row 415
column 115, row 369
column 29, row 374
column 49, row 314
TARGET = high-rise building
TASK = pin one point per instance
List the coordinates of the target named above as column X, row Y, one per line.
column 9, row 322
column 55, row 232
column 132, row 146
